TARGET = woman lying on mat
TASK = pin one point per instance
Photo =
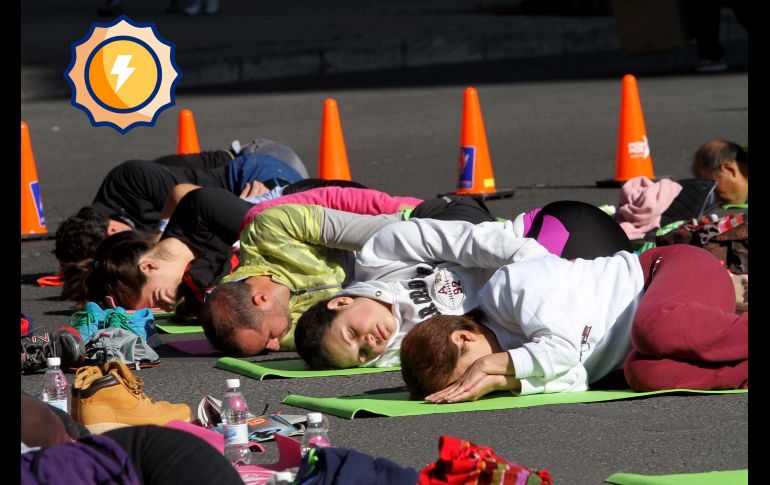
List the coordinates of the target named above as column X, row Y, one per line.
column 666, row 317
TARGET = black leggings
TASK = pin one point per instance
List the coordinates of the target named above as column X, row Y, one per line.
column 590, row 232
column 453, row 208
column 166, row 455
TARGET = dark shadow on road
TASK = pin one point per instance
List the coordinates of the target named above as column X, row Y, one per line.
column 31, row 279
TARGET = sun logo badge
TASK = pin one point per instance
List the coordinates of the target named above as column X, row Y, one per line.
column 123, row 74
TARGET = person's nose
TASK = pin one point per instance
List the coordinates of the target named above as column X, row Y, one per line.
column 273, row 344
column 369, row 340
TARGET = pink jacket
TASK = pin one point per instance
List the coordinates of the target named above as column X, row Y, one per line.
column 348, row 199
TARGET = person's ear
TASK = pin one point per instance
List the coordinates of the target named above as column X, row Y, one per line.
column 729, row 168
column 260, row 298
column 460, row 337
column 339, row 302
column 114, row 227
column 147, row 266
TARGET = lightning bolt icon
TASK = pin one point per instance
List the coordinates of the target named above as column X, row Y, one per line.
column 121, row 69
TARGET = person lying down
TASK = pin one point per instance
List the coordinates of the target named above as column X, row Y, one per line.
column 668, row 318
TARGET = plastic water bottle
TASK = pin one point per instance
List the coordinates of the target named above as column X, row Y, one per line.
column 234, row 416
column 54, row 389
column 315, row 434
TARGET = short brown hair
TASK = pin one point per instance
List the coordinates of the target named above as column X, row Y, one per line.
column 227, row 309
column 428, row 356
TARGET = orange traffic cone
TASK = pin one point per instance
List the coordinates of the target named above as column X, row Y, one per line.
column 32, row 217
column 633, row 157
column 475, row 165
column 187, row 139
column 333, row 158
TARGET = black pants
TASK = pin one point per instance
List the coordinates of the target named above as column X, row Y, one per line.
column 166, row 455
column 592, row 233
column 136, row 190
column 453, row 208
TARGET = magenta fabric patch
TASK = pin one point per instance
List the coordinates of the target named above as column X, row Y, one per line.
column 553, row 235
column 528, row 218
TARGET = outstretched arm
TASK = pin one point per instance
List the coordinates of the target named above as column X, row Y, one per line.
column 488, row 245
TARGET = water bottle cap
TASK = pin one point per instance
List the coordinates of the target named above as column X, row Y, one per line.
column 314, row 417
column 52, row 361
column 233, row 383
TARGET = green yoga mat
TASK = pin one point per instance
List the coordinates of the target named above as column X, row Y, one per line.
column 398, row 404
column 292, row 368
column 172, row 328
column 729, row 477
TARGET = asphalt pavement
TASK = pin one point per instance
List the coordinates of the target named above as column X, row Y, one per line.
column 549, row 139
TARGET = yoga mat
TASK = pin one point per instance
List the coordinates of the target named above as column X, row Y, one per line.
column 194, row 347
column 729, row 477
column 398, row 404
column 291, row 368
column 172, row 328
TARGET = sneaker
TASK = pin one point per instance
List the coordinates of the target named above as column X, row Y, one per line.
column 87, row 321
column 710, row 65
column 114, row 395
column 62, row 342
column 92, row 319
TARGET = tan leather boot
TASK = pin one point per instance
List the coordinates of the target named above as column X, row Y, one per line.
column 115, row 396
column 86, row 373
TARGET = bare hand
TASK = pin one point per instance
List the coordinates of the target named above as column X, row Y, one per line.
column 164, row 298
column 474, row 383
column 741, row 285
column 253, row 189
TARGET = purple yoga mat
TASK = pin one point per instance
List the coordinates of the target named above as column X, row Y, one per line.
column 194, row 347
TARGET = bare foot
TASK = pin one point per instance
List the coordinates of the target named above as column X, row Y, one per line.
column 741, row 284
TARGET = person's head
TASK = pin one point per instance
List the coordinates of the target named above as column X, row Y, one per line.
column 115, row 270
column 727, row 163
column 136, row 272
column 243, row 318
column 437, row 351
column 344, row 332
column 79, row 235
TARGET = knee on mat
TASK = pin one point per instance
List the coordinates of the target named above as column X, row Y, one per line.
column 642, row 373
column 649, row 334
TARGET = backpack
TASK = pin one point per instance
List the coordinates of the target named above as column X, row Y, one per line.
column 726, row 237
column 117, row 343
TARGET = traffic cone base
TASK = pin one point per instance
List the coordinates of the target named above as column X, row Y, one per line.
column 187, row 136
column 332, row 158
column 32, row 215
column 633, row 151
column 475, row 176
